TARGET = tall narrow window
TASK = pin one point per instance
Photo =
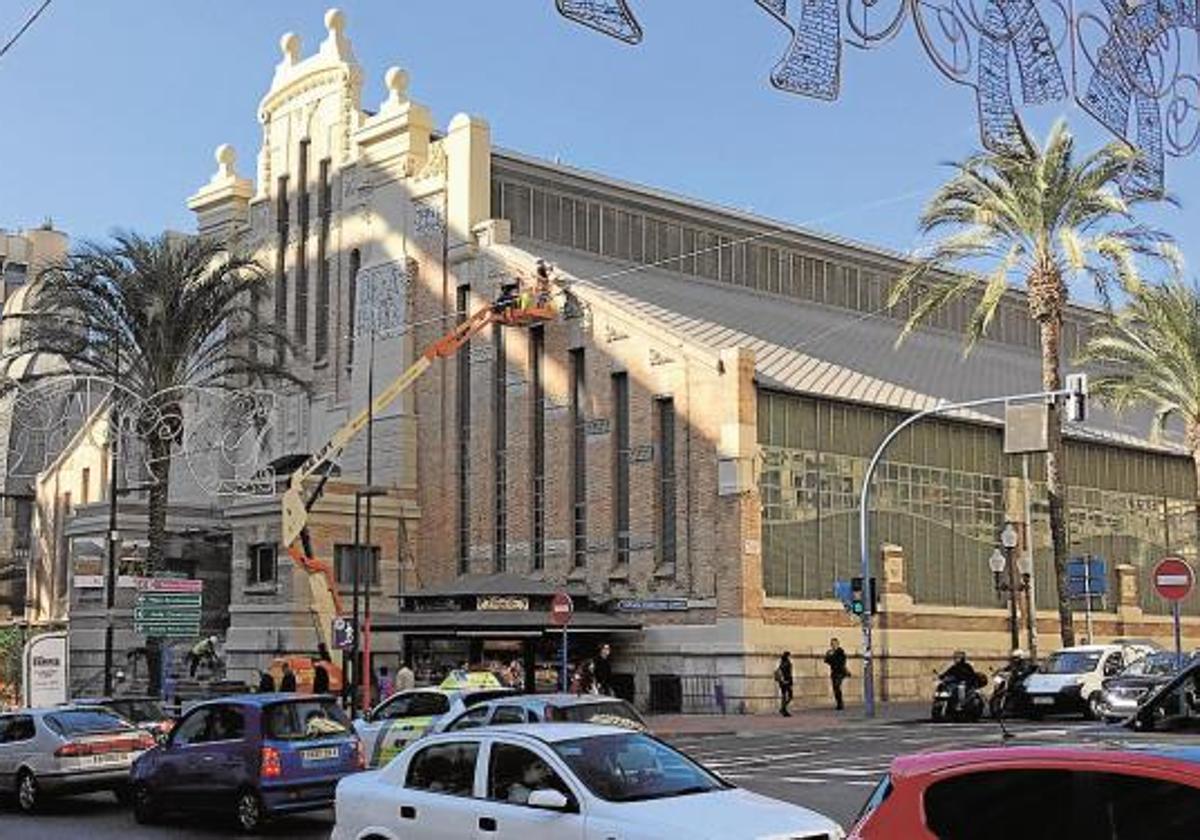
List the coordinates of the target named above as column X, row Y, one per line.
column 620, row 442
column 281, row 221
column 352, row 318
column 537, row 447
column 324, row 210
column 463, row 413
column 85, row 484
column 578, row 386
column 666, row 481
column 301, row 322
column 500, row 447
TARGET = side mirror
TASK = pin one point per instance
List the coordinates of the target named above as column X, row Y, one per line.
column 548, row 798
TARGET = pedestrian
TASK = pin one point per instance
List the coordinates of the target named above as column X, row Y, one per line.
column 835, row 658
column 602, row 670
column 516, row 675
column 783, row 679
column 266, row 683
column 320, row 678
column 288, row 681
column 405, row 678
column 323, row 652
column 386, row 686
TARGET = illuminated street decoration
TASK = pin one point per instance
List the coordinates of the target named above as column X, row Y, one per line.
column 1133, row 65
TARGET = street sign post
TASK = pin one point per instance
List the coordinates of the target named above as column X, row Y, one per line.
column 561, row 608
column 1173, row 580
column 168, row 607
column 1087, row 578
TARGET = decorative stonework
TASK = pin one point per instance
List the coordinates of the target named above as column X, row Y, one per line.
column 383, row 297
column 435, row 166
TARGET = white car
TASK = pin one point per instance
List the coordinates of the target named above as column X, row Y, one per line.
column 1071, row 681
column 558, row 781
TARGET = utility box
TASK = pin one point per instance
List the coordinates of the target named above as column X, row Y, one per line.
column 1026, row 428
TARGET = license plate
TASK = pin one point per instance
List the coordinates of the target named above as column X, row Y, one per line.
column 323, row 754
column 107, row 759
column 1043, row 701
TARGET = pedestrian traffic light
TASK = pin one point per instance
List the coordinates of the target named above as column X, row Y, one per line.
column 1077, row 393
column 860, row 599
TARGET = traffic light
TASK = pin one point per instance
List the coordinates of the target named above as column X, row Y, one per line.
column 1077, row 392
column 859, row 600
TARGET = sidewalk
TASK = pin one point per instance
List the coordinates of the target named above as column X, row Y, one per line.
column 802, row 720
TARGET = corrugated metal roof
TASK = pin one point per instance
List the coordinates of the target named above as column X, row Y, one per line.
column 826, row 351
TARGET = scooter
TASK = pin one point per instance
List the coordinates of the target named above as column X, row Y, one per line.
column 1008, row 697
column 956, row 701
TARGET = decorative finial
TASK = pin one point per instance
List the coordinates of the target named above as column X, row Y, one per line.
column 226, row 158
column 289, row 45
column 396, row 81
column 335, row 21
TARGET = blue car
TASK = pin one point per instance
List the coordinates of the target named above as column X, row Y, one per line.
column 251, row 757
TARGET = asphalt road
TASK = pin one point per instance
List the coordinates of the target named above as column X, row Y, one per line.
column 831, row 771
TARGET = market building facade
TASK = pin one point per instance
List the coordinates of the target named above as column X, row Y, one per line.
column 683, row 445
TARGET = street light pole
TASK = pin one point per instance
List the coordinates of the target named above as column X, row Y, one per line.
column 864, row 520
column 110, row 583
column 366, row 685
column 1009, row 539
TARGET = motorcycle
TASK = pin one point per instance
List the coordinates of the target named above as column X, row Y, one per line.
column 956, row 701
column 1008, row 698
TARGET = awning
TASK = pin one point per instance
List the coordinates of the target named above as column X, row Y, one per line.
column 498, row 623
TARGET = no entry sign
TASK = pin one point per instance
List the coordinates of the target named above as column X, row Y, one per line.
column 1173, row 578
column 561, row 608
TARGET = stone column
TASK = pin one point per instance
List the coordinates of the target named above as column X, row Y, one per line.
column 1129, row 610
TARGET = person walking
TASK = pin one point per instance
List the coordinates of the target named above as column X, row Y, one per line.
column 266, row 683
column 783, row 679
column 835, row 658
column 288, row 681
column 602, row 670
column 405, row 678
column 320, row 677
column 386, row 686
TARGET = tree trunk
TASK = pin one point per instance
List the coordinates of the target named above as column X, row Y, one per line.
column 156, row 515
column 1056, row 479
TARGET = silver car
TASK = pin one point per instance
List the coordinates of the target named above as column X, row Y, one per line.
column 50, row 752
column 595, row 709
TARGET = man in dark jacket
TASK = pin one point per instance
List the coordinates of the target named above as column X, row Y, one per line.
column 320, row 678
column 602, row 670
column 835, row 658
column 783, row 679
column 288, row 681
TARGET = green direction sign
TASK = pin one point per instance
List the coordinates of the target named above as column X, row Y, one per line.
column 160, row 599
column 171, row 615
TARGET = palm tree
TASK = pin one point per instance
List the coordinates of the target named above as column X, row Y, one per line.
column 160, row 316
column 1034, row 215
column 1148, row 354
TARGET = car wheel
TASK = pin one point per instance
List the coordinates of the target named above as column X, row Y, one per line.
column 144, row 809
column 29, row 795
column 249, row 812
column 1095, row 706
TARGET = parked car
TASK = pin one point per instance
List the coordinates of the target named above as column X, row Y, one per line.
column 145, row 713
column 545, row 708
column 1173, row 706
column 1070, row 681
column 1123, row 693
column 1036, row 793
column 558, row 780
column 252, row 757
column 407, row 715
column 51, row 752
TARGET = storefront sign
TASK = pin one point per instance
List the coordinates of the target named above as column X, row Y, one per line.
column 502, row 603
column 89, row 581
column 45, row 681
column 652, row 604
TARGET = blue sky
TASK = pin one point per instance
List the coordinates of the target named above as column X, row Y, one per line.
column 111, row 109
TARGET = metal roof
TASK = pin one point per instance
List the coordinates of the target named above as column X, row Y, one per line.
column 826, row 351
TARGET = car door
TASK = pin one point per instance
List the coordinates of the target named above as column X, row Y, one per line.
column 437, row 800
column 178, row 771
column 8, row 746
column 220, row 757
column 514, row 770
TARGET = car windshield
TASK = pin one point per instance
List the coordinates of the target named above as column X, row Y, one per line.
column 85, row 722
column 1154, row 665
column 1072, row 662
column 608, row 712
column 303, row 720
column 138, row 711
column 634, row 767
column 474, row 698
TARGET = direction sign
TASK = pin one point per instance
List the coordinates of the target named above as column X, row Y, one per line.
column 168, row 607
column 1173, row 578
column 561, row 608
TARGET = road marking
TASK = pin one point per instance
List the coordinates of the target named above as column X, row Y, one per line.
column 847, row 771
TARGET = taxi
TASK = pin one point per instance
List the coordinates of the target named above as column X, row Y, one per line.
column 405, row 716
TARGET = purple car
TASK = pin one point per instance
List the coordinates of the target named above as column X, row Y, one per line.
column 251, row 757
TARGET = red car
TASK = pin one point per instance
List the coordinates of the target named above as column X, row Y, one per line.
column 1037, row 793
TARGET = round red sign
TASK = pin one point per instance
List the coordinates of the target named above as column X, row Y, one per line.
column 1173, row 578
column 561, row 608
